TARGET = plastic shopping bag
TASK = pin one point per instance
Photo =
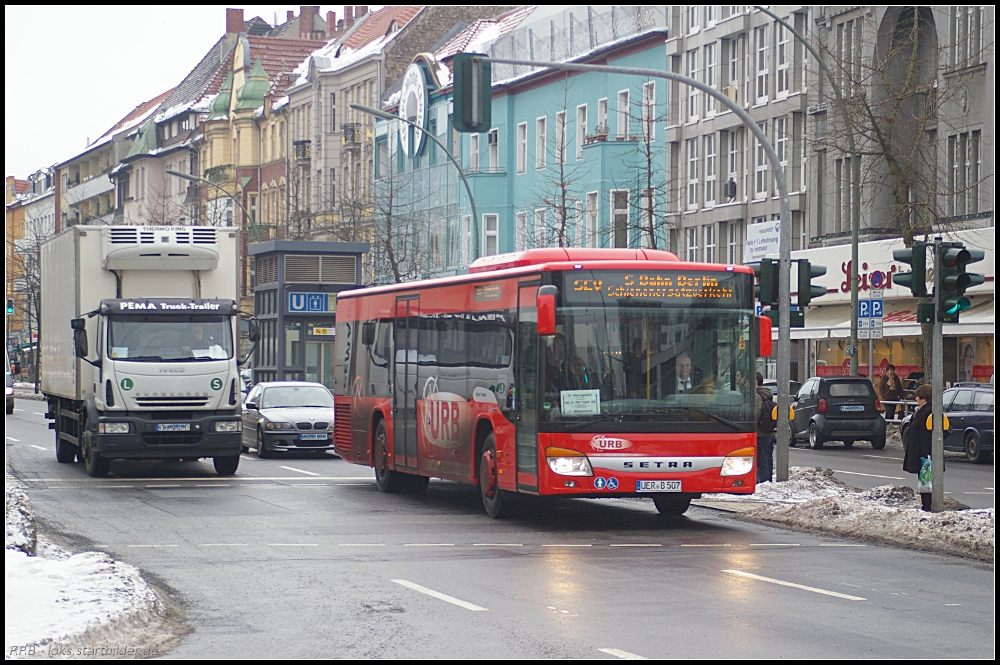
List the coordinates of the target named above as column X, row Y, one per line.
column 924, row 477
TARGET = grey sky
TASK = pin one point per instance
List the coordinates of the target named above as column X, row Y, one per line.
column 72, row 72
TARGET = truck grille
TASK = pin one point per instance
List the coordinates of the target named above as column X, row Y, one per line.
column 161, row 402
column 171, row 438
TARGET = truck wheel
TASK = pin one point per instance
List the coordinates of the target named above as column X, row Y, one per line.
column 65, row 452
column 388, row 481
column 226, row 465
column 262, row 451
column 494, row 499
column 96, row 466
column 671, row 506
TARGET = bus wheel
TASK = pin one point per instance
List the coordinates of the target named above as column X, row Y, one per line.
column 388, row 481
column 671, row 506
column 417, row 484
column 496, row 504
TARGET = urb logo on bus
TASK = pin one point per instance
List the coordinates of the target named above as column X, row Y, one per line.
column 602, row 442
column 445, row 416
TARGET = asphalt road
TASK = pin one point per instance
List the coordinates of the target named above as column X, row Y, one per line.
column 302, row 557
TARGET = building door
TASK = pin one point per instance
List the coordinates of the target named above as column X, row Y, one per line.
column 404, row 385
column 319, row 363
column 526, row 388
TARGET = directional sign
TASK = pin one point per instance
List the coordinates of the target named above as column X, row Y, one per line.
column 864, row 309
column 311, row 302
column 876, row 308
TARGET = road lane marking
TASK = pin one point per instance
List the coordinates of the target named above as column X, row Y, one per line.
column 137, row 546
column 248, row 458
column 624, row 655
column 636, row 545
column 311, row 485
column 428, row 544
column 440, row 596
column 212, row 485
column 564, row 545
column 498, row 544
column 353, row 484
column 39, row 448
column 706, row 545
column 292, row 468
column 987, row 493
column 38, row 413
column 10, row 438
column 869, row 475
column 898, row 459
column 160, row 486
column 112, row 487
column 293, row 544
column 223, row 545
column 361, row 545
column 841, row 545
column 193, row 478
column 774, row 545
column 793, row 585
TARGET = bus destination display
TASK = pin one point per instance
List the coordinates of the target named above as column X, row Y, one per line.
column 660, row 285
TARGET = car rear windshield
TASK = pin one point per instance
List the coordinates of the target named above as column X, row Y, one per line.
column 850, row 389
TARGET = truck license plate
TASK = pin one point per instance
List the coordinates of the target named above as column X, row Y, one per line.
column 657, row 486
column 312, row 437
column 173, row 427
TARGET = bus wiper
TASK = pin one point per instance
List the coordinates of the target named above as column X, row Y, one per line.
column 720, row 419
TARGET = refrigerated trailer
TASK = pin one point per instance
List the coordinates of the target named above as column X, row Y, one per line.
column 140, row 344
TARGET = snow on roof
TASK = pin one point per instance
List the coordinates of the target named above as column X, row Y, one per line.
column 135, row 118
column 175, row 110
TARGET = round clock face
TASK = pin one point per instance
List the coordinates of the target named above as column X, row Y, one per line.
column 413, row 107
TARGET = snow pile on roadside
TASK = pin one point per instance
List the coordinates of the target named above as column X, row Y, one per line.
column 58, row 602
column 813, row 500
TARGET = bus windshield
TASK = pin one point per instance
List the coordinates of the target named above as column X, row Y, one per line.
column 169, row 337
column 649, row 365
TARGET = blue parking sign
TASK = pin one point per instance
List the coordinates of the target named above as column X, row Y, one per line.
column 864, row 309
column 876, row 309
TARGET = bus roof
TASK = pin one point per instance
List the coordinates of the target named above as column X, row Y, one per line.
column 554, row 259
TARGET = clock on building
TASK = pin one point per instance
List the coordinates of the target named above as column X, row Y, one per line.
column 413, row 107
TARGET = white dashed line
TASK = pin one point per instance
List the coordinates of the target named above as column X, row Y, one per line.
column 223, row 545
column 213, row 485
column 39, row 448
column 868, row 475
column 564, row 545
column 793, row 585
column 636, row 545
column 440, row 596
column 624, row 655
column 706, row 545
column 898, row 459
column 361, row 545
column 292, row 468
column 774, row 545
column 112, row 487
column 38, row 413
column 293, row 544
column 160, row 486
column 498, row 544
column 149, row 546
column 841, row 545
column 428, row 544
column 10, row 438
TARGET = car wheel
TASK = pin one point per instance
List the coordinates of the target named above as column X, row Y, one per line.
column 226, row 465
column 815, row 438
column 262, row 451
column 878, row 443
column 494, row 498
column 388, row 481
column 974, row 448
column 671, row 506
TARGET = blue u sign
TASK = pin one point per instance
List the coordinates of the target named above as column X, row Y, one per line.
column 296, row 302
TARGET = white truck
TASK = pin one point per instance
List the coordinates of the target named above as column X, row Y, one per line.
column 140, row 344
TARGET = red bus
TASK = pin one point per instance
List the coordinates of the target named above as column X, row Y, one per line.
column 569, row 372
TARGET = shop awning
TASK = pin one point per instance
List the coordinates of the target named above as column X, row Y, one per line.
column 900, row 320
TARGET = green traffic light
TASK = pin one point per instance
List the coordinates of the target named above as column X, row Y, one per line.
column 953, row 259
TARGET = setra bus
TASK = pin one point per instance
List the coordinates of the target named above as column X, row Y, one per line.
column 569, row 372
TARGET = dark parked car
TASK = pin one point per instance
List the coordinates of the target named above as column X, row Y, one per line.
column 969, row 407
column 772, row 385
column 838, row 408
column 288, row 415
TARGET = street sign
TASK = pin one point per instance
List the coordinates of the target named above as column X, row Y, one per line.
column 876, row 333
column 876, row 293
column 864, row 323
column 864, row 309
column 863, row 332
column 876, row 308
column 311, row 302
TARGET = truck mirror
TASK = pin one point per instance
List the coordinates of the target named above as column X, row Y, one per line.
column 80, row 341
column 78, row 324
column 254, row 331
column 546, row 305
column 368, row 333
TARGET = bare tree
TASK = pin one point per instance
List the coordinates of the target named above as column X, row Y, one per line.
column 25, row 260
column 400, row 230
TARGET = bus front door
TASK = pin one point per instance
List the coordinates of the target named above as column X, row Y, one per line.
column 526, row 396
column 404, row 385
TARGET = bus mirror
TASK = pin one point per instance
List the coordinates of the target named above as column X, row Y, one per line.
column 764, row 344
column 253, row 333
column 368, row 333
column 80, row 342
column 546, row 305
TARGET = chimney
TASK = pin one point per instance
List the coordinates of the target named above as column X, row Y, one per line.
column 331, row 23
column 234, row 21
column 348, row 16
column 307, row 14
column 360, row 11
column 289, row 16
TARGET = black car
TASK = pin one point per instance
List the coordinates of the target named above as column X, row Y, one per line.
column 838, row 408
column 969, row 407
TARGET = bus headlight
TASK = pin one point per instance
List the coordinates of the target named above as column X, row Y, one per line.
column 112, row 428
column 738, row 463
column 228, row 426
column 567, row 462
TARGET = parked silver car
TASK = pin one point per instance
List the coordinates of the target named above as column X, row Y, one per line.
column 288, row 415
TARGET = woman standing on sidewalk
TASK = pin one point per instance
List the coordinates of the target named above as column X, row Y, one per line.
column 918, row 438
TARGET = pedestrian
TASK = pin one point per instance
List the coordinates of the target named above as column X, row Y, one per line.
column 764, row 403
column 890, row 388
column 917, row 445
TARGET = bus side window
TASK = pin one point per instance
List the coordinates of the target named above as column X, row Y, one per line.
column 382, row 339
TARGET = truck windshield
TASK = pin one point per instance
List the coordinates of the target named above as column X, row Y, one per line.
column 170, row 337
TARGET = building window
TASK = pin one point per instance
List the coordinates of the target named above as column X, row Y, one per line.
column 590, row 221
column 619, row 217
column 710, row 169
column 560, row 138
column 522, row 147
column 694, row 20
column 711, row 15
column 491, row 225
column 647, row 219
column 581, row 129
column 761, row 64
column 520, row 231
column 693, row 93
column 760, row 171
column 966, row 36
column 781, row 140
column 734, row 246
column 540, row 143
column 333, row 112
column 467, row 238
column 692, row 243
column 708, row 233
column 736, row 70
column 253, row 208
column 733, row 161
column 474, row 153
column 623, row 114
column 692, row 174
column 783, row 58
column 493, row 139
column 711, row 77
column 964, row 173
column 602, row 116
column 648, row 111
column 843, row 199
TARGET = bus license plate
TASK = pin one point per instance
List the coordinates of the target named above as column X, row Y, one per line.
column 312, row 437
column 657, row 486
column 173, row 427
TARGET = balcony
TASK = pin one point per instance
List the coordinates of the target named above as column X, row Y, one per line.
column 302, row 151
column 352, row 134
column 220, row 174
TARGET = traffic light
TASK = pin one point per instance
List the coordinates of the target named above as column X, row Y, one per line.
column 766, row 288
column 954, row 258
column 10, row 305
column 808, row 290
column 473, row 93
column 915, row 256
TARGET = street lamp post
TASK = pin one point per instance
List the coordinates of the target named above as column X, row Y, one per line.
column 193, row 178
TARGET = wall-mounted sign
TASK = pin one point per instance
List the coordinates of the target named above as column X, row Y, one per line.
column 300, row 303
